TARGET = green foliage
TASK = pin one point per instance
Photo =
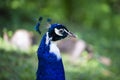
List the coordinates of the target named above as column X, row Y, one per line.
column 96, row 22
column 22, row 66
column 103, row 15
column 16, row 66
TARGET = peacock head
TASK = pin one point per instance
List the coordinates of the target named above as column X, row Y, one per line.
column 58, row 32
column 55, row 31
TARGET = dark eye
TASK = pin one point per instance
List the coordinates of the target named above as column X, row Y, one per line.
column 61, row 31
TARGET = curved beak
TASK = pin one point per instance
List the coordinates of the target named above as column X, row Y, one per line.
column 70, row 34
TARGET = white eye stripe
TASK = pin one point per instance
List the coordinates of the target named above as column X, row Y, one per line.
column 58, row 32
column 67, row 32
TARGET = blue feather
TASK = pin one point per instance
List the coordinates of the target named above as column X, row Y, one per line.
column 38, row 25
column 49, row 20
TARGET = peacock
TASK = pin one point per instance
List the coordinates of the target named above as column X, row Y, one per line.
column 50, row 65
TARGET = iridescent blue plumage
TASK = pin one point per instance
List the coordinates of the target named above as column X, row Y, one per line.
column 38, row 25
column 50, row 66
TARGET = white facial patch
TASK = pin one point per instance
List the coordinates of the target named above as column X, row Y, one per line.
column 54, row 49
column 57, row 31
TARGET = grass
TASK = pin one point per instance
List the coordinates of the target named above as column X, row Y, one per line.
column 17, row 66
column 86, row 70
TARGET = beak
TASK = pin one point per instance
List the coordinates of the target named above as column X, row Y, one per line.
column 70, row 34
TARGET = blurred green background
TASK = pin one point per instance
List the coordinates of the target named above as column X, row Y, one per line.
column 95, row 21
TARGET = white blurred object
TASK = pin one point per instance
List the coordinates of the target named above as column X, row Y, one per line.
column 80, row 46
column 22, row 40
column 75, row 48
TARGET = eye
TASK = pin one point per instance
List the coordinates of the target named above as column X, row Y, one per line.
column 61, row 31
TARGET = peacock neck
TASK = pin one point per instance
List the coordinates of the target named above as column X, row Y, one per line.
column 50, row 66
column 47, row 45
